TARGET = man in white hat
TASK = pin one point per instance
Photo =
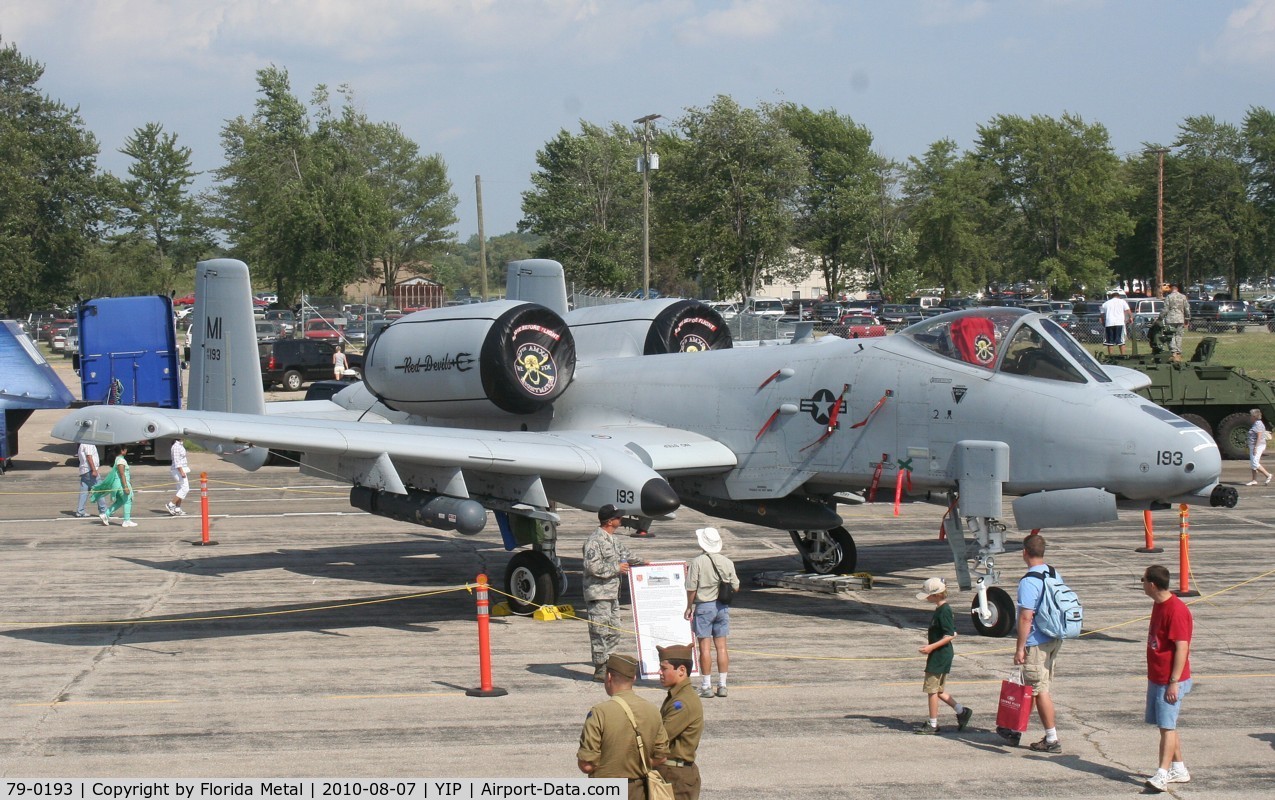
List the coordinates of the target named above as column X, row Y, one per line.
column 705, row 608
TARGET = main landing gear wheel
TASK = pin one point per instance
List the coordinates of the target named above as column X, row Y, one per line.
column 1002, row 609
column 531, row 580
column 829, row 552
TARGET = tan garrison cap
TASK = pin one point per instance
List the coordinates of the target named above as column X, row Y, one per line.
column 623, row 665
column 682, row 651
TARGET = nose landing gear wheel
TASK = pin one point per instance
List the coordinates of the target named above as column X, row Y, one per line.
column 830, row 552
column 1001, row 607
column 531, row 580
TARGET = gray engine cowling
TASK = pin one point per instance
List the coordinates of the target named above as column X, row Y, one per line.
column 505, row 357
column 649, row 327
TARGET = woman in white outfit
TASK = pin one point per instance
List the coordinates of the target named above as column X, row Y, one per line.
column 1257, row 438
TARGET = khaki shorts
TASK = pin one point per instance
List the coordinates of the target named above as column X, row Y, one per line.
column 934, row 683
column 1038, row 669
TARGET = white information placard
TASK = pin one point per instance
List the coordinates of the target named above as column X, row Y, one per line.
column 658, row 590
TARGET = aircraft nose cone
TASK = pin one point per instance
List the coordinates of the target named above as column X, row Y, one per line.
column 658, row 498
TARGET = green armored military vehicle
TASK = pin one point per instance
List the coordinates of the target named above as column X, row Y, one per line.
column 1213, row 397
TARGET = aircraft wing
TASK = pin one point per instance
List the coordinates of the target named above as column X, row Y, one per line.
column 585, row 468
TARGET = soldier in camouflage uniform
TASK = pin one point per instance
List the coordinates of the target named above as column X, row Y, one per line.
column 1177, row 311
column 605, row 560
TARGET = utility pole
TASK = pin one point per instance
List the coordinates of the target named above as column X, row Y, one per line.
column 1159, row 221
column 645, row 166
column 482, row 240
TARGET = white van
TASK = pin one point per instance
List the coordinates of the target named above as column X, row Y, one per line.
column 925, row 301
column 765, row 307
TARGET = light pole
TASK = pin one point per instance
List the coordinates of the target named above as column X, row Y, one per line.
column 1159, row 221
column 645, row 167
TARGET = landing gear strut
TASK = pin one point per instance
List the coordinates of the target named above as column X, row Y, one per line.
column 534, row 577
column 830, row 552
column 992, row 609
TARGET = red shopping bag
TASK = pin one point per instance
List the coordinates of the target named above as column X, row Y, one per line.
column 1015, row 709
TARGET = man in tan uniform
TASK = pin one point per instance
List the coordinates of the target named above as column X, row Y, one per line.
column 683, row 714
column 608, row 742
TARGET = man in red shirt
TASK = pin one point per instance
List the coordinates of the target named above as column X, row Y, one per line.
column 1168, row 673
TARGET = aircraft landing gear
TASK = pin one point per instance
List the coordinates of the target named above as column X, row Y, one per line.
column 993, row 610
column 830, row 552
column 533, row 577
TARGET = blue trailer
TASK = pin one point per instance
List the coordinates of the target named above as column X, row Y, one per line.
column 27, row 383
column 129, row 355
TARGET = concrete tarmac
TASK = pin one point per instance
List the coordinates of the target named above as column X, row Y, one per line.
column 315, row 641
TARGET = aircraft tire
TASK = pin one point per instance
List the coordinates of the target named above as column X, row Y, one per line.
column 830, row 552
column 1199, row 422
column 1003, row 614
column 531, row 581
column 1232, row 435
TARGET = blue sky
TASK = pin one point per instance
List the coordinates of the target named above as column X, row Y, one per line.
column 485, row 83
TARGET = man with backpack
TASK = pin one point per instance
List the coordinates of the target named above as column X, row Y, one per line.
column 711, row 584
column 1036, row 651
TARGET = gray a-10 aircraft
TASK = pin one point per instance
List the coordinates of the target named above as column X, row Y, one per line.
column 516, row 406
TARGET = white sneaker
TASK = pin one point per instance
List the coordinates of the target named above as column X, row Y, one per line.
column 1268, row 479
column 128, row 524
column 179, row 512
column 105, row 519
column 1251, row 483
column 172, row 509
column 1179, row 775
column 1158, row 782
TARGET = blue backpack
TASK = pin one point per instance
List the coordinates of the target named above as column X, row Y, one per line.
column 1059, row 614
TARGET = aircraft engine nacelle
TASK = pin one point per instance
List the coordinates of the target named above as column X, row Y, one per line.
column 650, row 327
column 503, row 357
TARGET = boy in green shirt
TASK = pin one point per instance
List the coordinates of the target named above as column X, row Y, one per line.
column 939, row 661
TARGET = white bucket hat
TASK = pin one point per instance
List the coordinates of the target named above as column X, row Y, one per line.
column 710, row 541
column 931, row 586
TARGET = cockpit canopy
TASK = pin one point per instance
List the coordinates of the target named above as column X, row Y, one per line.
column 1014, row 341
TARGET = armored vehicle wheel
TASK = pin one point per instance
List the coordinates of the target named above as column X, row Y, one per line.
column 1003, row 617
column 531, row 580
column 829, row 552
column 1232, row 435
column 1199, row 422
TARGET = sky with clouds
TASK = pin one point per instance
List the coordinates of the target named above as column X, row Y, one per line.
column 485, row 83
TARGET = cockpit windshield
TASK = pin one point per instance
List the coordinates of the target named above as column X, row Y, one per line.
column 985, row 336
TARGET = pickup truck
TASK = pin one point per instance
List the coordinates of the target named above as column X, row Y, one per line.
column 857, row 326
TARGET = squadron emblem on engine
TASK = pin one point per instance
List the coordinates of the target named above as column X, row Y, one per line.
column 535, row 369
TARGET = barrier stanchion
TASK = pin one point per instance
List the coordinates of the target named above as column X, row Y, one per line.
column 1148, row 533
column 485, row 689
column 204, row 541
column 1184, row 554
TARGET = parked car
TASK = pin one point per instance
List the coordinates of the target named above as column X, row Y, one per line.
column 1217, row 315
column 72, row 342
column 764, row 307
column 829, row 312
column 322, row 329
column 267, row 331
column 356, row 332
column 58, row 343
column 294, row 362
column 858, row 326
column 285, row 319
column 188, row 300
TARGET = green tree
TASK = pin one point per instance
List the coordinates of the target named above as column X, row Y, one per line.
column 946, row 200
column 417, row 198
column 726, row 196
column 163, row 231
column 1259, row 142
column 50, row 194
column 1211, row 223
column 837, row 199
column 585, row 205
column 1057, row 198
